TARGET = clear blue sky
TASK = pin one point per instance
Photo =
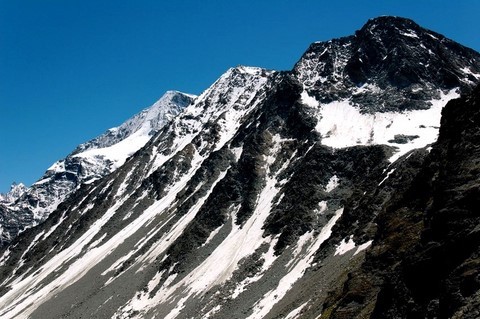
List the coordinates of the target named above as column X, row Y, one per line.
column 69, row 70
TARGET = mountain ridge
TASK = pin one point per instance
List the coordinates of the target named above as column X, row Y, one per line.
column 88, row 162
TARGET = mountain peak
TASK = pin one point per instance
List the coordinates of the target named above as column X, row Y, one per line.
column 16, row 191
column 247, row 69
column 393, row 56
column 149, row 120
column 173, row 94
column 390, row 29
column 243, row 70
column 394, row 21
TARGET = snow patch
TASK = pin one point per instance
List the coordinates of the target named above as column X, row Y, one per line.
column 410, row 34
column 363, row 247
column 308, row 99
column 322, row 207
column 467, row 70
column 89, row 207
column 4, row 257
column 98, row 241
column 296, row 312
column 332, row 184
column 345, row 246
column 117, row 153
column 52, row 229
column 342, row 125
column 237, row 152
column 58, row 166
column 349, row 244
column 269, row 258
column 212, row 235
column 368, row 88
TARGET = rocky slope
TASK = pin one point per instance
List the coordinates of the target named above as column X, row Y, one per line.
column 25, row 207
column 425, row 257
column 293, row 194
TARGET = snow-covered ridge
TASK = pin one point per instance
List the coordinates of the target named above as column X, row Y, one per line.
column 95, row 158
column 110, row 150
column 118, row 143
column 226, row 102
column 144, row 123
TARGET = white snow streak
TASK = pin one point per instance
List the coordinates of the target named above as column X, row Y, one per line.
column 295, row 312
column 178, row 228
column 269, row 257
column 212, row 235
column 363, row 247
column 387, row 176
column 410, row 34
column 219, row 266
column 263, row 306
column 349, row 244
column 332, row 184
column 47, row 234
column 345, row 246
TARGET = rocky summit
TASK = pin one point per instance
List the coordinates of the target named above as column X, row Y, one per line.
column 344, row 188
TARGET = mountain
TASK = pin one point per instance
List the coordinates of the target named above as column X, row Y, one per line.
column 424, row 260
column 320, row 191
column 16, row 190
column 25, row 207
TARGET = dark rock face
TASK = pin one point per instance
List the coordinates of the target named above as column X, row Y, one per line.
column 424, row 262
column 391, row 64
column 403, row 139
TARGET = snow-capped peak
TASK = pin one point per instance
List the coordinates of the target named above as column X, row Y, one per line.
column 16, row 191
column 111, row 149
column 148, row 121
column 119, row 143
column 98, row 157
column 248, row 69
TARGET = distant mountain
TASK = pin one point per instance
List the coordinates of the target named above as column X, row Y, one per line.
column 317, row 192
column 25, row 207
column 16, row 190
